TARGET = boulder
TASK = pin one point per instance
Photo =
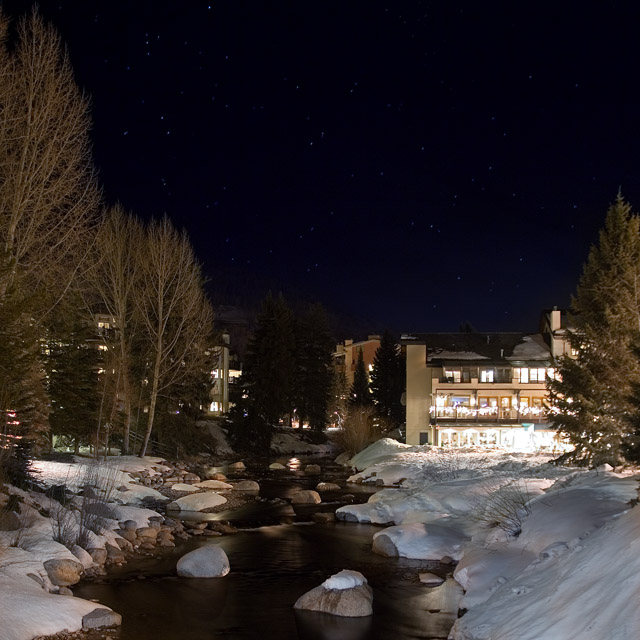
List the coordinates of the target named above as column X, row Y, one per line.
column 343, row 459
column 216, row 485
column 344, row 594
column 430, row 579
column 213, row 474
column 181, row 486
column 197, row 502
column 206, row 562
column 323, row 517
column 130, row 525
column 246, row 485
column 83, row 557
column 99, row 555
column 237, row 466
column 147, row 533
column 276, row 466
column 306, row 496
column 313, row 469
column 100, row 617
column 63, row 572
column 65, row 591
column 114, row 554
column 190, row 478
column 327, row 486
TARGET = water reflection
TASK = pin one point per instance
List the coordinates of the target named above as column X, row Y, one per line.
column 293, row 464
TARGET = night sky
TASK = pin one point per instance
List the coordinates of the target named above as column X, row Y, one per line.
column 416, row 164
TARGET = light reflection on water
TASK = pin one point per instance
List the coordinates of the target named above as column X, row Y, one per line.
column 293, row 464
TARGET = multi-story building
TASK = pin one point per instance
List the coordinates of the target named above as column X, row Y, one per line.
column 345, row 356
column 483, row 388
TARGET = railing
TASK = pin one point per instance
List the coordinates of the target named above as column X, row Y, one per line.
column 493, row 414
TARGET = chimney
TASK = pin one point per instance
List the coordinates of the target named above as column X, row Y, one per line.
column 555, row 320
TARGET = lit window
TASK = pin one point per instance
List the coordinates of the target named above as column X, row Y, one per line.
column 214, row 373
column 453, row 375
column 537, row 375
column 102, row 347
column 521, row 374
column 213, row 407
column 486, row 375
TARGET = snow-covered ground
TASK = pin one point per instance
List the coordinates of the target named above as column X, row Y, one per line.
column 29, row 603
column 537, row 544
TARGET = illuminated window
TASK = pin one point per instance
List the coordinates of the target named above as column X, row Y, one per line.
column 102, row 347
column 214, row 406
column 460, row 401
column 453, row 375
column 537, row 375
column 521, row 374
column 486, row 375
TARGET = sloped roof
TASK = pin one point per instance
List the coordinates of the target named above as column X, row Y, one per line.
column 481, row 347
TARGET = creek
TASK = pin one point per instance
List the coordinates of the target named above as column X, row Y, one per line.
column 272, row 564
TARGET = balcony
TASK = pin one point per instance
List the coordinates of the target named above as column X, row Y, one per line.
column 486, row 414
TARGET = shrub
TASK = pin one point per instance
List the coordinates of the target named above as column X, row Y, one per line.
column 358, row 430
column 506, row 507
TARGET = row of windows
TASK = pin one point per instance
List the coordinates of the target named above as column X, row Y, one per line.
column 503, row 374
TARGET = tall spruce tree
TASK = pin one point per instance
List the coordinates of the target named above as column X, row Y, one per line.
column 388, row 380
column 313, row 373
column 591, row 400
column 268, row 371
column 360, row 395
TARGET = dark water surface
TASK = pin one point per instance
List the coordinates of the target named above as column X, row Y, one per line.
column 271, row 567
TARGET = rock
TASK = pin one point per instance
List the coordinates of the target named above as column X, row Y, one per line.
column 172, row 480
column 65, row 591
column 181, row 486
column 327, row 486
column 313, row 469
column 197, row 502
column 349, row 498
column 237, row 466
column 101, row 510
column 9, row 521
column 63, row 572
column 129, row 525
column 99, row 618
column 206, row 562
column 114, row 554
column 125, row 545
column 221, row 527
column 445, row 598
column 191, row 478
column 323, row 517
column 276, row 466
column 306, row 496
column 99, row 555
column 147, row 533
column 213, row 474
column 127, row 534
column 166, row 542
column 246, row 485
column 38, row 579
column 344, row 594
column 430, row 579
column 343, row 459
column 216, row 485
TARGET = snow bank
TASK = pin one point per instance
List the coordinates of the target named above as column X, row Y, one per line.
column 420, row 541
column 283, row 443
column 29, row 611
column 223, row 448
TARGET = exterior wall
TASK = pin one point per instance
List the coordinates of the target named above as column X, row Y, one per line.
column 219, row 392
column 418, row 395
column 346, row 355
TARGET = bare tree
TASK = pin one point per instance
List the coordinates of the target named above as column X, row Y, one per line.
column 48, row 190
column 113, row 279
column 176, row 317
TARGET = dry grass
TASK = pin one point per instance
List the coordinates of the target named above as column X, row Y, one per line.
column 505, row 507
column 358, row 430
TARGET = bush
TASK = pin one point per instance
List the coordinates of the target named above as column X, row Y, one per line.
column 358, row 431
column 506, row 507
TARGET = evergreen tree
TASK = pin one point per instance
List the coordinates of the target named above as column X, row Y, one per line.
column 72, row 367
column 388, row 380
column 591, row 400
column 313, row 372
column 268, row 372
column 360, row 395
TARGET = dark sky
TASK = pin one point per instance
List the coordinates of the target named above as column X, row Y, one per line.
column 416, row 164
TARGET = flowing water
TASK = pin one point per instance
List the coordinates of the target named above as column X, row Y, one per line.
column 271, row 566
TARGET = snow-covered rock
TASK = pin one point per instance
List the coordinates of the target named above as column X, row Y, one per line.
column 420, row 541
column 185, row 488
column 197, row 502
column 306, row 496
column 344, row 594
column 215, row 485
column 206, row 562
column 246, row 485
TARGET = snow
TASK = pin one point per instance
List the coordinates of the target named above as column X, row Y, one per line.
column 223, row 448
column 531, row 348
column 345, row 579
column 455, row 355
column 47, row 613
column 537, row 570
column 197, row 502
column 283, row 443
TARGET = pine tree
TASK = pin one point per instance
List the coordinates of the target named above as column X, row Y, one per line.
column 313, row 373
column 268, row 372
column 591, row 400
column 360, row 395
column 72, row 367
column 388, row 380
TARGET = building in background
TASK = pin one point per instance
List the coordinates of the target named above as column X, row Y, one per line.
column 345, row 356
column 483, row 389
